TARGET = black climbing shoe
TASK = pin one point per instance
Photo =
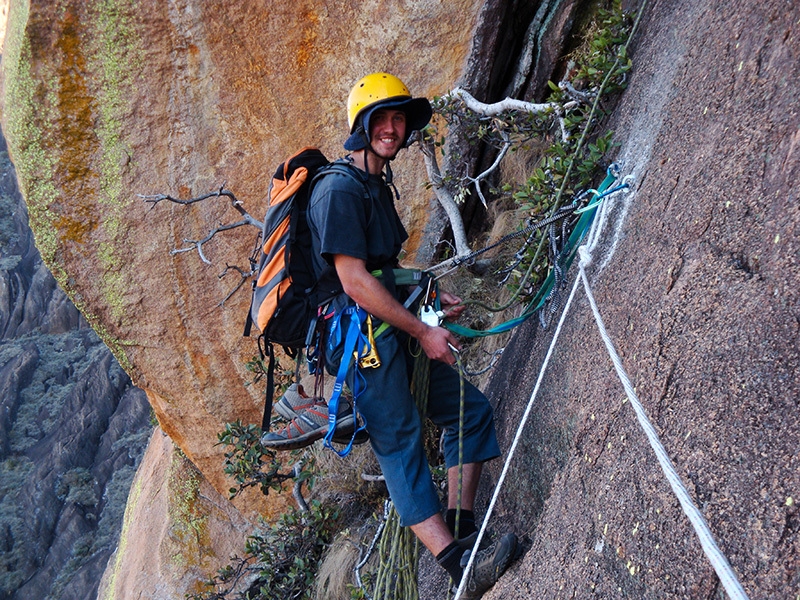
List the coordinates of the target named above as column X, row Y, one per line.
column 467, row 542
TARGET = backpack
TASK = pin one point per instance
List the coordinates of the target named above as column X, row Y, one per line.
column 285, row 290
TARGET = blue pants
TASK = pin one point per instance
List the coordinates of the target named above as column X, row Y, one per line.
column 395, row 427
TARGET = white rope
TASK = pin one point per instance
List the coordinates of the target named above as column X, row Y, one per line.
column 718, row 560
column 593, row 236
column 514, row 444
column 712, row 551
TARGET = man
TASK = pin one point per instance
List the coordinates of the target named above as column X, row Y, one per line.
column 357, row 234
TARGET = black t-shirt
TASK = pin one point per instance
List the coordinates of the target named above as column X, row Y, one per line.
column 344, row 221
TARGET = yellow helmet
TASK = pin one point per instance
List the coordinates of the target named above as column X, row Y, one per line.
column 371, row 89
column 382, row 90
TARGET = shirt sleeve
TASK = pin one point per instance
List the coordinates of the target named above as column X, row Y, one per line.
column 338, row 215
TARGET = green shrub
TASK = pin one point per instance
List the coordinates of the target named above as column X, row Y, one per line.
column 283, row 558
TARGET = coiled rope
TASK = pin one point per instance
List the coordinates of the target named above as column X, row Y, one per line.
column 396, row 577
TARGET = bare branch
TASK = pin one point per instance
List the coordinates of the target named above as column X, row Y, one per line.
column 245, row 276
column 491, row 110
column 577, row 95
column 235, row 203
column 445, row 197
column 198, row 244
column 500, row 156
column 247, row 219
column 297, row 490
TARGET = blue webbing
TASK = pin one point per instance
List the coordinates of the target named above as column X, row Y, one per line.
column 355, row 342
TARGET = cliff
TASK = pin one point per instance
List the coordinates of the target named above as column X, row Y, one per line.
column 105, row 101
column 72, row 432
column 696, row 275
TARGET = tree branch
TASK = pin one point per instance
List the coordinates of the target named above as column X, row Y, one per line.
column 247, row 219
column 445, row 197
column 500, row 156
column 491, row 110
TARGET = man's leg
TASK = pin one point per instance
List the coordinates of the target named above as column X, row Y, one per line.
column 470, row 477
column 433, row 533
column 460, row 517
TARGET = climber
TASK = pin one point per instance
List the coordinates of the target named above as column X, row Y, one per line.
column 358, row 237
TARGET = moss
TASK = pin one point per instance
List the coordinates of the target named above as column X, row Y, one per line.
column 24, row 112
column 188, row 521
column 66, row 134
column 116, row 57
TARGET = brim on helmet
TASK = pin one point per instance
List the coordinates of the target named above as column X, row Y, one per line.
column 418, row 113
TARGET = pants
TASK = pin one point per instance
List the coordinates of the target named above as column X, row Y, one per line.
column 395, row 426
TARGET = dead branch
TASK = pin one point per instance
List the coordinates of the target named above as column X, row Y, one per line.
column 245, row 276
column 500, row 156
column 444, row 197
column 198, row 244
column 512, row 104
column 494, row 109
column 247, row 219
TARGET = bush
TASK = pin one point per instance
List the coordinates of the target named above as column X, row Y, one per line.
column 283, row 558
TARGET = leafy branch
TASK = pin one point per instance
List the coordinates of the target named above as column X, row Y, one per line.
column 250, row 464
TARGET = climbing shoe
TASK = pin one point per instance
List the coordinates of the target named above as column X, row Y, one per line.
column 489, row 565
column 311, row 424
column 293, row 402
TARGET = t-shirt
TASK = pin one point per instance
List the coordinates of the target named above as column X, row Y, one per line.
column 343, row 221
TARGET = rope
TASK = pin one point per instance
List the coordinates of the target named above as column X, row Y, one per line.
column 365, row 556
column 396, row 578
column 712, row 551
column 715, row 556
column 457, row 261
column 718, row 560
column 515, row 443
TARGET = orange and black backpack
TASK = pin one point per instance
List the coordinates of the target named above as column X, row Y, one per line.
column 285, row 291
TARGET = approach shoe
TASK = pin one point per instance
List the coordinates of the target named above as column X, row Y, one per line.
column 293, row 402
column 310, row 425
column 468, row 541
column 489, row 565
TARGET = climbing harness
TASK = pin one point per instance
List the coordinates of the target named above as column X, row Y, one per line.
column 357, row 347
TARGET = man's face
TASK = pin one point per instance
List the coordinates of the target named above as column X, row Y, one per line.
column 387, row 131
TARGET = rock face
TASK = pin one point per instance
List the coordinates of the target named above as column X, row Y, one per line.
column 106, row 101
column 697, row 281
column 178, row 532
column 72, row 432
column 696, row 275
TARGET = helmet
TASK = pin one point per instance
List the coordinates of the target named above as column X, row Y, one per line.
column 382, row 90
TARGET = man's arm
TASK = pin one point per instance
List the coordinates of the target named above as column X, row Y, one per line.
column 370, row 295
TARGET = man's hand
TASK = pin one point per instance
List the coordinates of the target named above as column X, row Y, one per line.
column 436, row 342
column 370, row 294
column 451, row 305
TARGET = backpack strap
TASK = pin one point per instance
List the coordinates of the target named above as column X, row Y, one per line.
column 267, row 350
column 345, row 167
